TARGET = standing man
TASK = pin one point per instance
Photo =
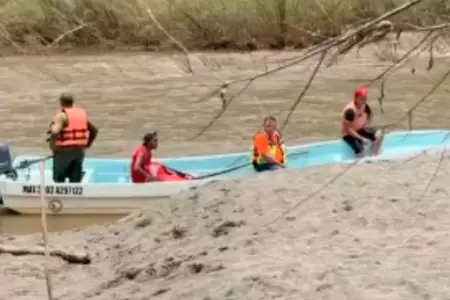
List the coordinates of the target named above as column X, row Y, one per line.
column 70, row 134
column 267, row 150
column 355, row 120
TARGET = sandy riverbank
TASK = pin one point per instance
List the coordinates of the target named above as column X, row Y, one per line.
column 368, row 236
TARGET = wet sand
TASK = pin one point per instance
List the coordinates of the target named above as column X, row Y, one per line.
column 374, row 234
column 17, row 224
column 125, row 93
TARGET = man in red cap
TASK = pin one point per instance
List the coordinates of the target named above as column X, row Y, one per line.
column 354, row 125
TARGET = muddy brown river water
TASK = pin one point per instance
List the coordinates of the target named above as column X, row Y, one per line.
column 125, row 93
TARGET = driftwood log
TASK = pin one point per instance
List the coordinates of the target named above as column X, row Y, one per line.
column 70, row 257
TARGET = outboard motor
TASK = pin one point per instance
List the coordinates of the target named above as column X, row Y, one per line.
column 6, row 167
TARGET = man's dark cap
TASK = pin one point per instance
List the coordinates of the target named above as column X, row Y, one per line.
column 150, row 134
column 66, row 97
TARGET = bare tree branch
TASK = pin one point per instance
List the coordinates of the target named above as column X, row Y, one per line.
column 174, row 40
column 357, row 33
column 401, row 60
column 305, row 89
column 420, row 101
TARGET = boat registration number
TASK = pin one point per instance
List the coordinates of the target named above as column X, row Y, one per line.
column 53, row 190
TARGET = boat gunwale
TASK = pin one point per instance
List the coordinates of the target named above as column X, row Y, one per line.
column 4, row 180
column 298, row 146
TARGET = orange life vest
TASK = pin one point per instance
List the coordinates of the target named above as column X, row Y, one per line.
column 275, row 148
column 76, row 132
column 358, row 122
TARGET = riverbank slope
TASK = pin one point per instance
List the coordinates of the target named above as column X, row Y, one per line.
column 370, row 235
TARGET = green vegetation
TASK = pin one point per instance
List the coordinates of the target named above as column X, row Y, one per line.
column 198, row 24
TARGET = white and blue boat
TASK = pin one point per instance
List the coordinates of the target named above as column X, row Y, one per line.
column 106, row 186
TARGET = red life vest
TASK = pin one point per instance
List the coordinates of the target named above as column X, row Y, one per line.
column 165, row 174
column 137, row 176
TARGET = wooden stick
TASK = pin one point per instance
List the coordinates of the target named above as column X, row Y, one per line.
column 44, row 230
column 70, row 257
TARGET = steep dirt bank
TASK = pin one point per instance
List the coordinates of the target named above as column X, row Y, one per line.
column 46, row 25
column 368, row 236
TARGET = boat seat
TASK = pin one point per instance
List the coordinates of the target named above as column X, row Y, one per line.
column 34, row 176
column 110, row 177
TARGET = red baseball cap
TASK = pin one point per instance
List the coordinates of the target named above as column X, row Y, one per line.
column 361, row 92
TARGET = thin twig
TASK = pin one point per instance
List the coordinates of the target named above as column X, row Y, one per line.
column 314, row 193
column 48, row 278
column 431, row 57
column 325, row 13
column 60, row 37
column 423, row 152
column 381, row 98
column 401, row 60
column 427, row 28
column 325, row 46
column 406, row 161
column 308, row 32
column 433, row 176
column 180, row 45
column 420, row 101
column 436, row 171
column 186, row 52
column 225, row 105
column 335, row 178
column 305, row 89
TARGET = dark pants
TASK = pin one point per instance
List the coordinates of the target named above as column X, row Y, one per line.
column 356, row 144
column 265, row 167
column 68, row 163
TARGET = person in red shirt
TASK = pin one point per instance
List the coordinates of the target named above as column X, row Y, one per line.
column 141, row 159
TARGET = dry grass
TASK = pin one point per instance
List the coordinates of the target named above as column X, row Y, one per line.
column 201, row 24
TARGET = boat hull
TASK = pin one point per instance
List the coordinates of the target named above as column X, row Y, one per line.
column 109, row 192
column 94, row 199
